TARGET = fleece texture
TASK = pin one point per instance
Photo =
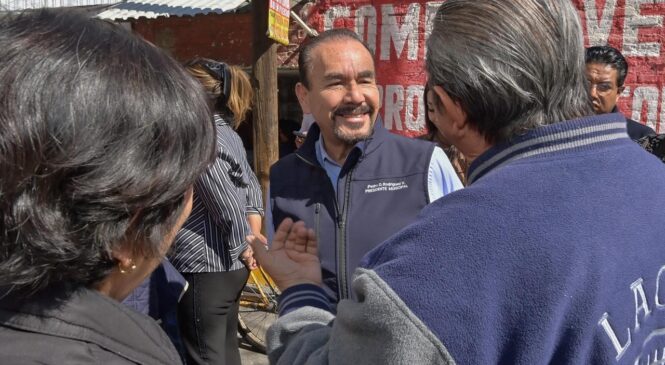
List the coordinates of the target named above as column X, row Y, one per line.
column 554, row 255
column 375, row 328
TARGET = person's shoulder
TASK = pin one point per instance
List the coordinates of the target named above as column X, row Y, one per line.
column 408, row 143
column 87, row 323
column 286, row 164
column 637, row 130
column 655, row 144
column 225, row 132
column 417, row 140
column 18, row 347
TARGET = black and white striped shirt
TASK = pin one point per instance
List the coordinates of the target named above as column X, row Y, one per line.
column 213, row 237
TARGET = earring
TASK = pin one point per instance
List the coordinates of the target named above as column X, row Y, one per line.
column 132, row 267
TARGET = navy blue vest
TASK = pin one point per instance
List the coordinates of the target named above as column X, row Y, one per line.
column 383, row 186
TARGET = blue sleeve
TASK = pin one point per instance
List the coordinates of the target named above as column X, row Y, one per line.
column 442, row 178
column 303, row 295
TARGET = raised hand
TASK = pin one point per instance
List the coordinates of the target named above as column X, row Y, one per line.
column 293, row 258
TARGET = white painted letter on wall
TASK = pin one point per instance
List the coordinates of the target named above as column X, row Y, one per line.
column 599, row 26
column 633, row 21
column 392, row 33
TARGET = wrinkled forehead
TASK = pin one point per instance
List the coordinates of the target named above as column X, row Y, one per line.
column 601, row 72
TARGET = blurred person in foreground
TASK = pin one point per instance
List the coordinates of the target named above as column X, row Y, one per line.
column 101, row 138
column 606, row 70
column 553, row 254
column 210, row 250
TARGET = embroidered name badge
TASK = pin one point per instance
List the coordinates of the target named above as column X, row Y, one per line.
column 386, row 186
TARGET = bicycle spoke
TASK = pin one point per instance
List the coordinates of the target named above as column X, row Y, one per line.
column 258, row 309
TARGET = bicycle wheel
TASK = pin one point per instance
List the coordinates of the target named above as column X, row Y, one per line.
column 258, row 309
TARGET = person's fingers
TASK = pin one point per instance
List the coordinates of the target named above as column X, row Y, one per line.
column 248, row 256
column 281, row 234
column 251, row 263
column 312, row 243
column 260, row 253
column 300, row 238
column 295, row 240
column 262, row 238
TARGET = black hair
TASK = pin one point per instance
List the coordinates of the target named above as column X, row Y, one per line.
column 288, row 126
column 431, row 128
column 609, row 56
column 101, row 136
column 305, row 55
column 220, row 72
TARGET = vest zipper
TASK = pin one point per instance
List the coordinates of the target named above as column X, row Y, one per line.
column 317, row 218
column 341, row 240
column 341, row 225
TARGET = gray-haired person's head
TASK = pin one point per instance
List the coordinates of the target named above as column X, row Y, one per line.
column 512, row 65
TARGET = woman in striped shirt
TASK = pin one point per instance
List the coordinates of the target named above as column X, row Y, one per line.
column 210, row 250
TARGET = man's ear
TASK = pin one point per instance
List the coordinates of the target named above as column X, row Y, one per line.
column 302, row 93
column 452, row 108
column 123, row 255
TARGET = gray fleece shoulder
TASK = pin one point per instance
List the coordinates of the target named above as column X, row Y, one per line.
column 376, row 328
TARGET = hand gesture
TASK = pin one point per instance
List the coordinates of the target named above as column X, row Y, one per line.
column 247, row 257
column 294, row 256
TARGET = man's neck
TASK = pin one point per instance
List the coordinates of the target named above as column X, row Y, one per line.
column 337, row 150
column 474, row 147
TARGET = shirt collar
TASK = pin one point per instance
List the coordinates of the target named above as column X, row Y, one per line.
column 321, row 153
column 219, row 120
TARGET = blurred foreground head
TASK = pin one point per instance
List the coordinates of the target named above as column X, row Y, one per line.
column 510, row 66
column 101, row 138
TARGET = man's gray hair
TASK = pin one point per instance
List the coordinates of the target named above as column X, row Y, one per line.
column 512, row 65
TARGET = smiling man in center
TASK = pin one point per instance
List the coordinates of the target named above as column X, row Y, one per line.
column 331, row 181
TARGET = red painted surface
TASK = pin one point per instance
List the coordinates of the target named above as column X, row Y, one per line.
column 397, row 31
column 635, row 27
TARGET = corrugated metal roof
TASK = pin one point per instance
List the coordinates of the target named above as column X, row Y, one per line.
column 12, row 5
column 135, row 9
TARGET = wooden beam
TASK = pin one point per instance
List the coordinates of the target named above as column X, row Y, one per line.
column 266, row 133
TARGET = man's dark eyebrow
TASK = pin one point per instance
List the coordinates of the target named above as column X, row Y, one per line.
column 333, row 76
column 366, row 74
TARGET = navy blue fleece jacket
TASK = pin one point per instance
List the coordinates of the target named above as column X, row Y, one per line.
column 554, row 254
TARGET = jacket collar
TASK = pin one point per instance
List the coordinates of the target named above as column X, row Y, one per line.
column 379, row 134
column 86, row 315
column 571, row 135
column 220, row 119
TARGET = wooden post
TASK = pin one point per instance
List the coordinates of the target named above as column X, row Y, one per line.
column 266, row 134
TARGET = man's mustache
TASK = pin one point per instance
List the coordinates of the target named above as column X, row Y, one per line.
column 353, row 110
